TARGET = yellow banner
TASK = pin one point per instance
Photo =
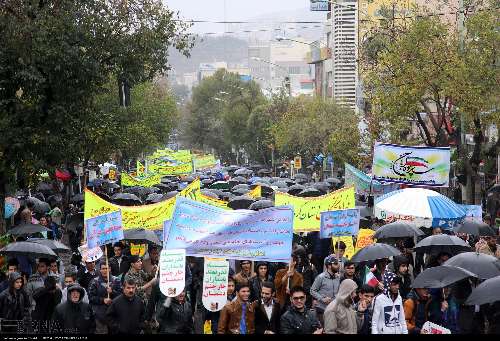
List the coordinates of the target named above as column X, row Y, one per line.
column 138, row 249
column 150, row 181
column 365, row 238
column 186, row 168
column 149, row 217
column 204, row 161
column 183, row 156
column 141, row 170
column 256, row 192
column 193, row 192
column 307, row 211
column 349, row 251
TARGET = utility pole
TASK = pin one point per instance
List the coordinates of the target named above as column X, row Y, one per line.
column 463, row 146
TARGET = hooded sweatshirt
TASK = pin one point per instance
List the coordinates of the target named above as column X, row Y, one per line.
column 388, row 315
column 75, row 318
column 14, row 304
column 340, row 317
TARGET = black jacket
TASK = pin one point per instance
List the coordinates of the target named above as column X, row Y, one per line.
column 122, row 268
column 47, row 298
column 296, row 322
column 175, row 318
column 75, row 318
column 14, row 304
column 262, row 322
column 256, row 287
column 98, row 292
column 83, row 277
column 126, row 316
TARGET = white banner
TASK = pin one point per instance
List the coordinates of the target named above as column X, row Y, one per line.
column 172, row 272
column 215, row 278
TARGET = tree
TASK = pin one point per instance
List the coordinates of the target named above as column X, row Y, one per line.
column 313, row 125
column 423, row 76
column 56, row 56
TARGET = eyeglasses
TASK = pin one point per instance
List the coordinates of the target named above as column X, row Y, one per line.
column 300, row 298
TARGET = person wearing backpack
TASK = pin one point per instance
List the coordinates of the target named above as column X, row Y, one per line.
column 417, row 309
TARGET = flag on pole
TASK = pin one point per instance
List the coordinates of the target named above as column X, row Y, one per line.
column 370, row 278
column 140, row 169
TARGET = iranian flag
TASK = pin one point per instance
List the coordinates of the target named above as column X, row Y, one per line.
column 370, row 278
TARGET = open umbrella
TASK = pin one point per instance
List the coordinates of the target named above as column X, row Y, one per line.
column 40, row 207
column 425, row 207
column 77, row 198
column 126, row 199
column 110, row 185
column 486, row 292
column 334, row 181
column 261, row 204
column 240, row 186
column 162, row 187
column 30, row 250
column 55, row 198
column 474, row 228
column 240, row 202
column 239, row 179
column 494, row 189
column 171, row 194
column 189, row 178
column 11, row 207
column 154, row 198
column 375, row 251
column 220, row 185
column 209, row 193
column 54, row 245
column 207, row 182
column 74, row 222
column 26, row 229
column 95, row 183
column 310, row 192
column 232, row 168
column 440, row 276
column 45, row 187
column 301, row 176
column 264, row 171
column 484, row 266
column 243, row 171
column 397, row 230
column 323, row 187
column 441, row 243
column 280, row 184
column 141, row 236
column 295, row 189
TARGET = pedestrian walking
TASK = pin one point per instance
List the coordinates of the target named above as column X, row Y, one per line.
column 388, row 312
column 126, row 314
column 297, row 319
column 74, row 316
column 340, row 316
column 14, row 301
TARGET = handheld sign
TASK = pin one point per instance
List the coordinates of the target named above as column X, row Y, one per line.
column 339, row 223
column 172, row 272
column 215, row 278
column 104, row 229
column 90, row 254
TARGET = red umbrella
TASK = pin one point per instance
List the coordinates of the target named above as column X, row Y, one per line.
column 63, row 175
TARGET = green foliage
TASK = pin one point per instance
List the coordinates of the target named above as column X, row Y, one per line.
column 313, row 125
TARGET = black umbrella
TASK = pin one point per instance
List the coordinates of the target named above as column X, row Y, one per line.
column 334, row 181
column 364, row 211
column 474, row 228
column 31, row 250
column 74, row 222
column 239, row 179
column 25, row 229
column 154, row 198
column 374, row 252
column 484, row 266
column 127, row 199
column 310, row 192
column 494, row 189
column 218, row 192
column 240, row 202
column 139, row 191
column 243, row 171
column 54, row 245
column 295, row 189
column 240, row 186
column 103, row 196
column 209, row 193
column 264, row 171
column 301, row 176
column 77, row 198
column 232, row 168
column 189, row 178
column 40, row 207
column 440, row 276
column 441, row 243
column 397, row 230
column 56, row 199
column 280, row 184
column 45, row 188
column 162, row 187
column 165, row 181
column 323, row 187
column 141, row 236
column 301, row 181
column 240, row 191
column 171, row 194
column 110, row 185
column 261, row 204
column 206, row 182
column 289, row 182
column 486, row 292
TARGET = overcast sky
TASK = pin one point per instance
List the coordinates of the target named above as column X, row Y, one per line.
column 236, row 10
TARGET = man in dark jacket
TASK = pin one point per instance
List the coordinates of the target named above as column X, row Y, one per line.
column 101, row 295
column 126, row 314
column 175, row 316
column 74, row 316
column 119, row 263
column 86, row 275
column 267, row 311
column 262, row 275
column 401, row 265
column 47, row 298
column 298, row 320
column 14, row 301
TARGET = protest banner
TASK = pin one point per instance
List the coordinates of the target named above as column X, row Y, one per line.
column 141, row 170
column 149, row 217
column 193, row 192
column 204, row 161
column 339, row 223
column 432, row 328
column 473, row 212
column 364, row 184
column 307, row 210
column 112, row 174
column 364, row 238
column 172, row 267
column 90, row 254
column 138, row 249
column 207, row 231
column 256, row 192
column 349, row 251
column 104, row 229
column 424, row 166
column 184, row 168
column 150, row 181
column 215, row 278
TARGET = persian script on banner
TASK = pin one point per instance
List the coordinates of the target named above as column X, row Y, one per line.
column 215, row 280
column 204, row 161
column 424, row 166
column 207, row 231
column 339, row 223
column 307, row 211
column 172, row 267
column 104, row 229
column 364, row 184
column 150, row 181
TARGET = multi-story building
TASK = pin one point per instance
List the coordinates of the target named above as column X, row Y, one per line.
column 209, row 69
